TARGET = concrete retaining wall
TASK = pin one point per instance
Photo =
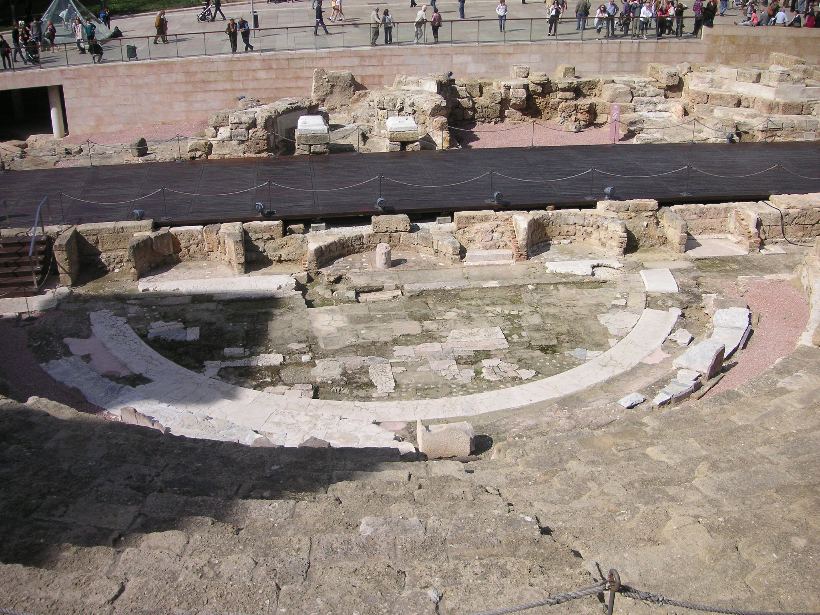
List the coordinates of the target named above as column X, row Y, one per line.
column 190, row 89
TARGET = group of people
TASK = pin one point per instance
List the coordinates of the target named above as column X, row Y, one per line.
column 385, row 20
column 795, row 14
column 636, row 17
column 242, row 28
column 27, row 40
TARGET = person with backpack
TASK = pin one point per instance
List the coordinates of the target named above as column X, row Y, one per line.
column 90, row 32
column 581, row 14
column 96, row 51
column 435, row 24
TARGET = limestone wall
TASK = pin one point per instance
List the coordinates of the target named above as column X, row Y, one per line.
column 67, row 256
column 570, row 225
column 674, row 229
column 485, row 230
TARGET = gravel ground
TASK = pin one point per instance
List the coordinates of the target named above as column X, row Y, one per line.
column 521, row 134
column 782, row 313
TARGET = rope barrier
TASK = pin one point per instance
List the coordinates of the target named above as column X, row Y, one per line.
column 544, row 181
column 138, row 198
column 216, row 195
column 614, row 587
column 636, row 594
column 790, row 172
column 367, row 181
column 466, row 181
column 641, row 176
column 735, row 176
column 592, row 590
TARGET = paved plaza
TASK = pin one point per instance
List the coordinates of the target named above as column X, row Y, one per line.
column 289, row 26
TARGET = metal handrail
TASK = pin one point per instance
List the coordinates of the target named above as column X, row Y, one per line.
column 346, row 29
column 37, row 219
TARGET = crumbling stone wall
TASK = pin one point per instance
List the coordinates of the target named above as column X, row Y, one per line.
column 66, row 250
column 570, row 225
column 674, row 230
column 640, row 218
column 485, row 230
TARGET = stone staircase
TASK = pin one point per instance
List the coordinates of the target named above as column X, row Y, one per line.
column 19, row 274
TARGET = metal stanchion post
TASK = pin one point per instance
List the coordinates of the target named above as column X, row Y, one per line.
column 164, row 204
column 614, row 581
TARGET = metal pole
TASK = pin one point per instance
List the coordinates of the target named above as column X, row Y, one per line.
column 532, row 139
column 614, row 581
column 380, row 185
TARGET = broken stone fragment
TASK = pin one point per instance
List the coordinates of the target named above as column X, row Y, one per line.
column 447, row 440
column 705, row 358
column 631, row 400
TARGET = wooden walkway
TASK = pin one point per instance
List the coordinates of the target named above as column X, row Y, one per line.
column 421, row 183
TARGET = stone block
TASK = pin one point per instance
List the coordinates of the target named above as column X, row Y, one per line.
column 705, row 358
column 616, row 92
column 681, row 337
column 448, row 440
column 132, row 416
column 67, row 256
column 520, row 71
column 463, row 219
column 402, row 129
column 748, row 75
column 564, row 71
column 398, row 223
column 319, row 149
column 382, row 258
column 239, row 134
column 413, row 146
column 264, row 230
column 162, row 242
column 311, row 138
column 667, row 76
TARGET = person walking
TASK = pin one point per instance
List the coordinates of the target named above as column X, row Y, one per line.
column 387, row 22
column 18, row 47
column 245, row 31
column 724, row 5
column 5, row 52
column 78, row 35
column 553, row 15
column 319, row 19
column 611, row 13
column 375, row 23
column 581, row 14
column 161, row 25
column 501, row 11
column 413, row 4
column 435, row 24
column 36, row 29
column 90, row 32
column 421, row 19
column 231, row 30
column 461, row 9
column 217, row 9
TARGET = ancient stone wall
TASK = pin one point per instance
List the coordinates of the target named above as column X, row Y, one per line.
column 674, row 229
column 534, row 230
column 640, row 218
column 67, row 256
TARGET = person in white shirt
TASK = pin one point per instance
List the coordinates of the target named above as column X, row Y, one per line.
column 421, row 19
column 375, row 23
column 780, row 18
column 501, row 11
column 646, row 18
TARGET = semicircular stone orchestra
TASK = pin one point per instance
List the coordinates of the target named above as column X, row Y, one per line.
column 192, row 404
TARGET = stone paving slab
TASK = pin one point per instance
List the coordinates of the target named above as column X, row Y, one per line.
column 659, row 281
column 248, row 286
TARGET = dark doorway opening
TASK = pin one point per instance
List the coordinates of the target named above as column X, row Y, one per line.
column 26, row 113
